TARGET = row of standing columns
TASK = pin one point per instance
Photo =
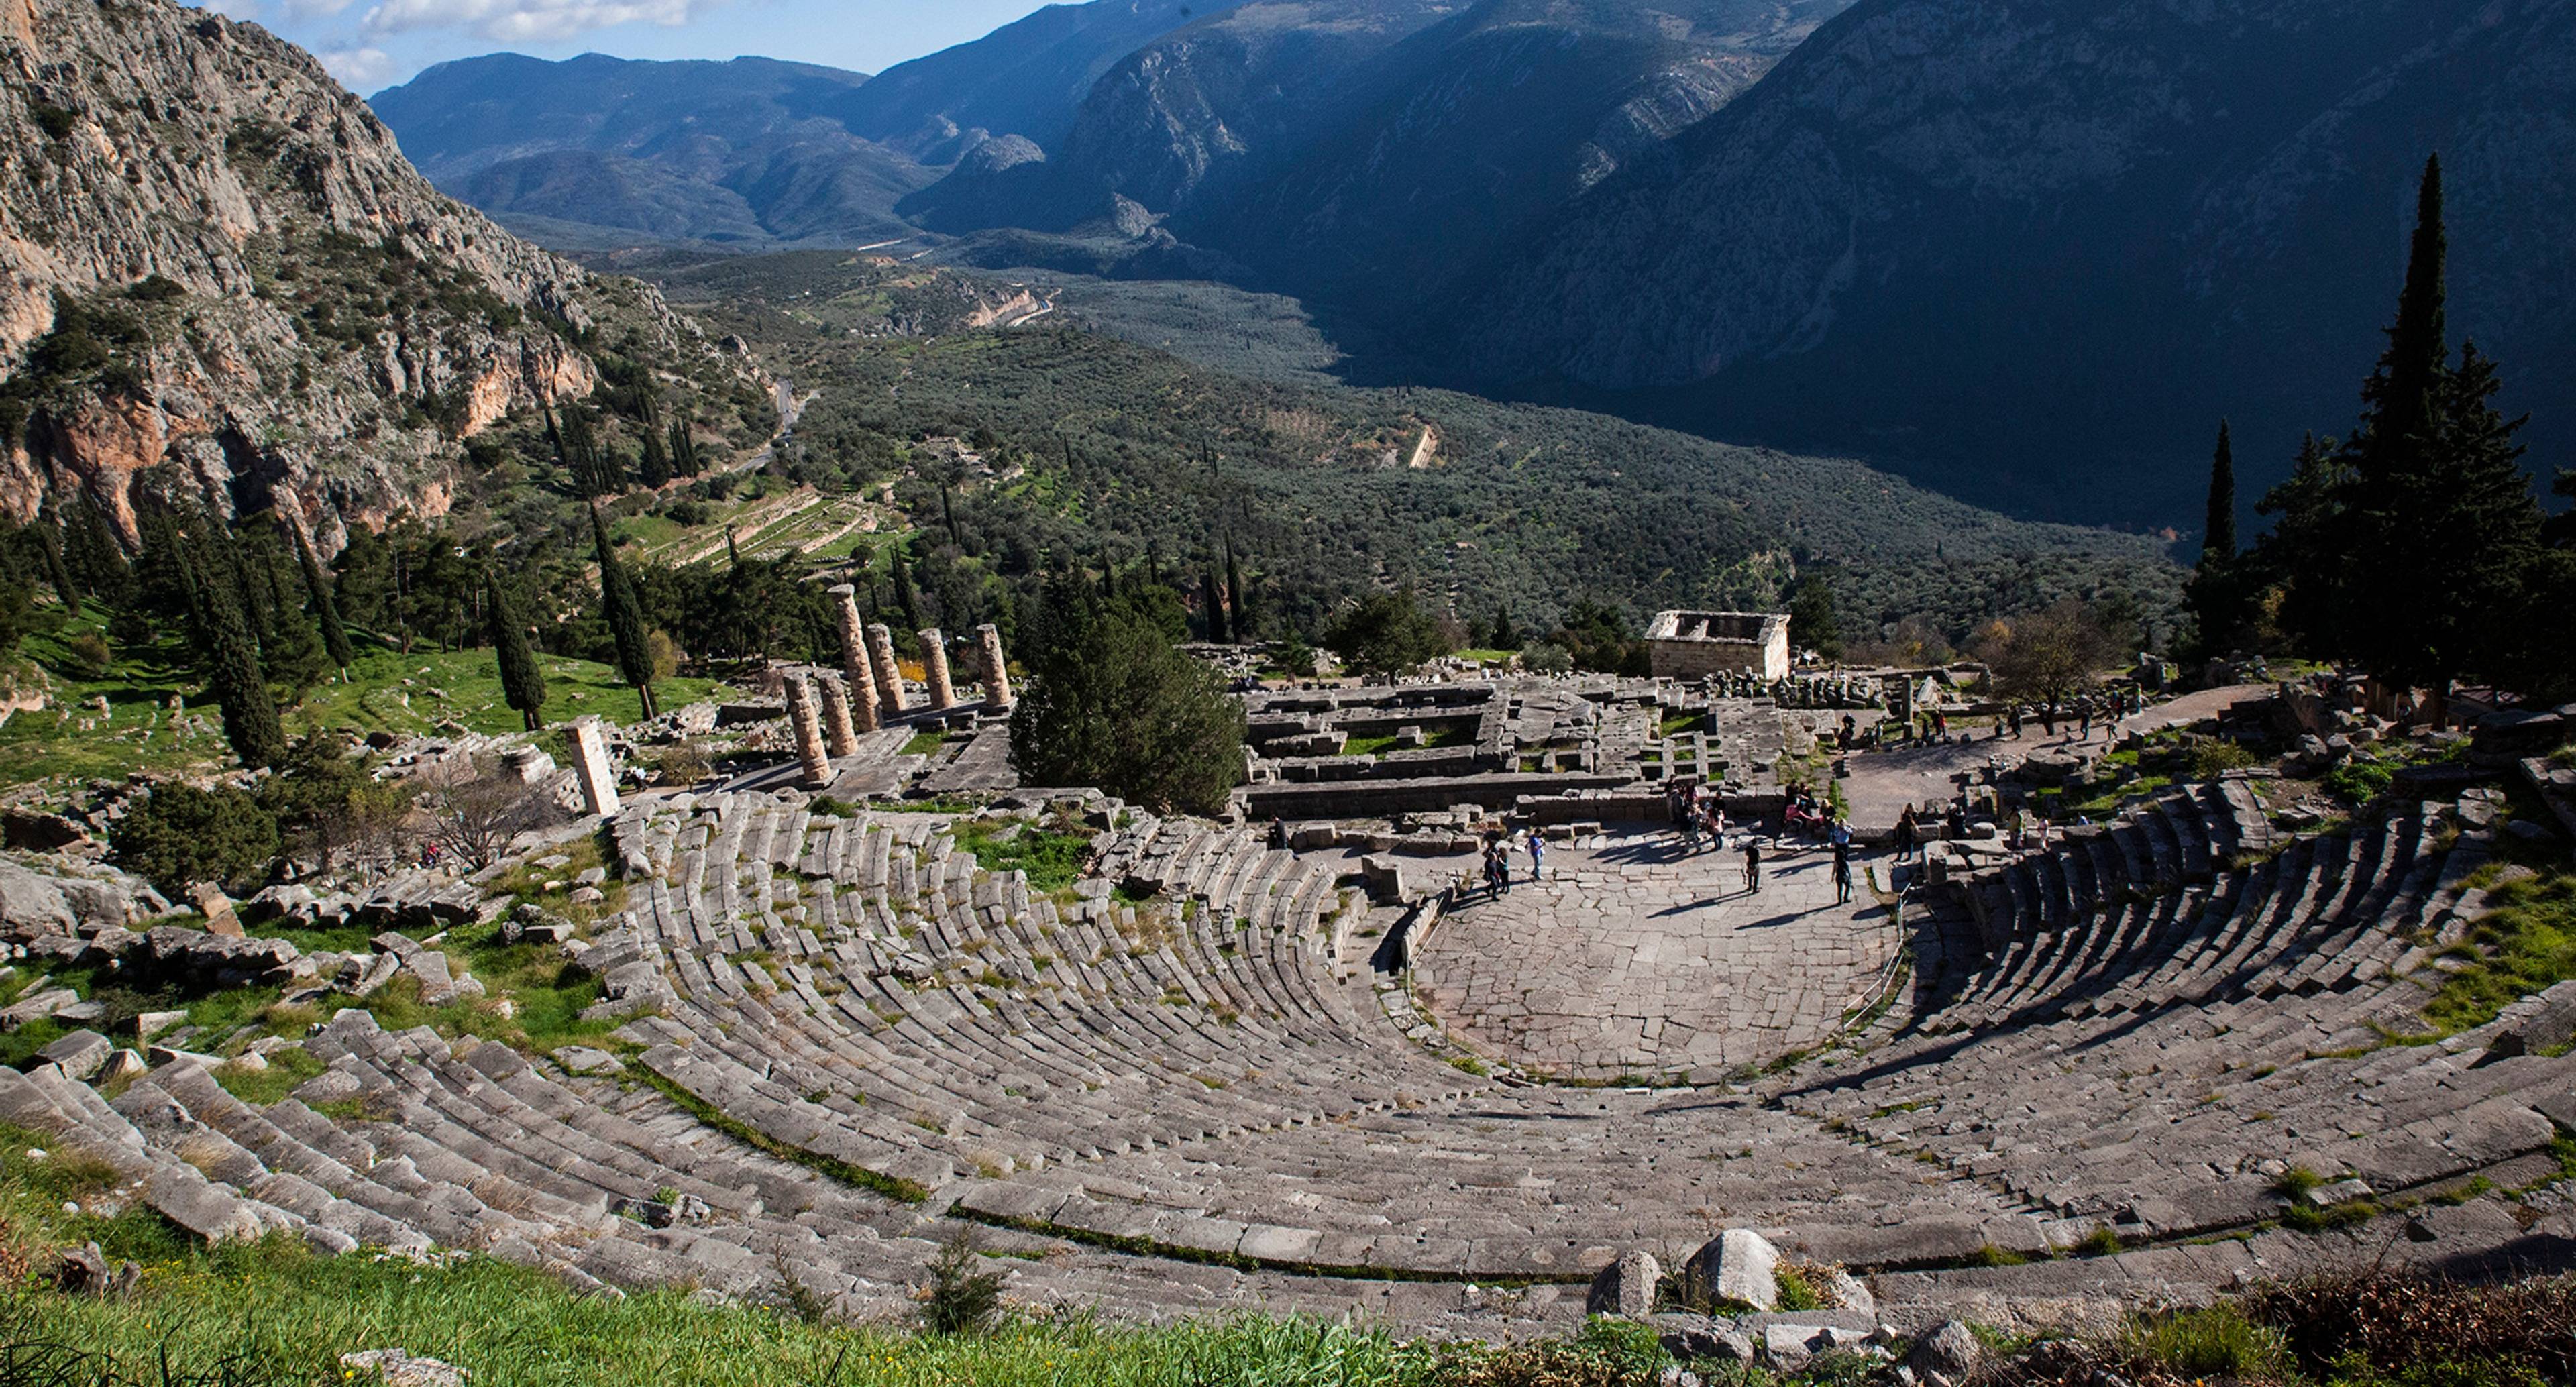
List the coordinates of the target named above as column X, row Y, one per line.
column 876, row 683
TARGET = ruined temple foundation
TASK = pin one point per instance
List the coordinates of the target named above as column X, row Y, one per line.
column 862, row 690
column 934, row 670
column 997, row 674
column 812, row 762
column 590, row 764
column 838, row 731
column 888, row 676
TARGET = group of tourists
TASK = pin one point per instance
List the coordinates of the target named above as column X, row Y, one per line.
column 1498, row 861
column 1698, row 812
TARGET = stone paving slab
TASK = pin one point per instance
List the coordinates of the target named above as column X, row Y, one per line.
column 1633, row 956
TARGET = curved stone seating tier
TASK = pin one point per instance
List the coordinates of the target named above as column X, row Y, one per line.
column 1173, row 1106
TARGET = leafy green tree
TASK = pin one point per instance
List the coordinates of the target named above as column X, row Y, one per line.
column 1813, row 624
column 2047, row 656
column 1384, row 633
column 180, row 836
column 1502, row 635
column 1598, row 637
column 325, row 605
column 1109, row 701
column 523, row 683
column 624, row 615
column 326, row 803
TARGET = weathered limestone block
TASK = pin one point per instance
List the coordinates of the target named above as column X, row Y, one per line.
column 592, row 766
column 1626, row 1287
column 1740, row 1264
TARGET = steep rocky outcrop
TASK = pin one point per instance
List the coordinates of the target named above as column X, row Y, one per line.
column 2035, row 251
column 1365, row 150
column 211, row 255
column 1026, row 78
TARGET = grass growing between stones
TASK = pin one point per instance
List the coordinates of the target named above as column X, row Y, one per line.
column 2527, row 943
column 1053, row 857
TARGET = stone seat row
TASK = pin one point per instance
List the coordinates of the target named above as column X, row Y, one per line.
column 2324, row 914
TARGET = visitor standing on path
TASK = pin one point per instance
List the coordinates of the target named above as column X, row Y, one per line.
column 1907, row 834
column 1842, row 872
column 1752, row 863
column 1538, row 857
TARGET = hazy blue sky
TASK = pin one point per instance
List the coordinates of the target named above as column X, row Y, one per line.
column 370, row 44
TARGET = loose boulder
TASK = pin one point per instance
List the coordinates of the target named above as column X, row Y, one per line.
column 1740, row 1265
column 1946, row 1355
column 1626, row 1286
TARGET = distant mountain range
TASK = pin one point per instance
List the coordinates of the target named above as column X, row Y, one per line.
column 2025, row 251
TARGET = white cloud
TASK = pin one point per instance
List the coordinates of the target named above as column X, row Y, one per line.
column 315, row 9
column 357, row 68
column 529, row 21
column 232, row 9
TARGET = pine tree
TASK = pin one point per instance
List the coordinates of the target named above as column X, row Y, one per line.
column 2302, row 556
column 325, row 605
column 624, row 614
column 1502, row 635
column 904, row 599
column 948, row 514
column 2215, row 590
column 1813, row 624
column 523, row 683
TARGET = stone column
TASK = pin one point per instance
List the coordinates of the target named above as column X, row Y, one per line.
column 997, row 674
column 837, row 731
column 590, row 763
column 889, row 678
column 934, row 670
column 811, row 760
column 862, row 691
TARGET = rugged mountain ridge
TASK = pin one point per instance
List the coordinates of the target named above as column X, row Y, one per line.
column 1027, row 78
column 214, row 256
column 746, row 152
column 2038, row 250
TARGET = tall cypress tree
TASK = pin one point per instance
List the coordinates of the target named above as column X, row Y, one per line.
column 2218, row 535
column 231, row 657
column 625, row 616
column 523, row 683
column 904, row 599
column 47, row 538
column 91, row 550
column 292, row 651
column 1213, row 593
column 2215, row 591
column 654, row 468
column 1234, row 595
column 325, row 604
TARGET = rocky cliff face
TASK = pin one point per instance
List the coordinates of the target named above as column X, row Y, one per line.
column 2037, row 250
column 213, row 256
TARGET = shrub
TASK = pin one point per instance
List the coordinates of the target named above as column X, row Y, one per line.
column 960, row 1299
column 181, row 835
column 2404, row 1329
column 87, row 656
column 1796, row 1291
column 2212, row 757
column 683, row 764
column 2219, row 1341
